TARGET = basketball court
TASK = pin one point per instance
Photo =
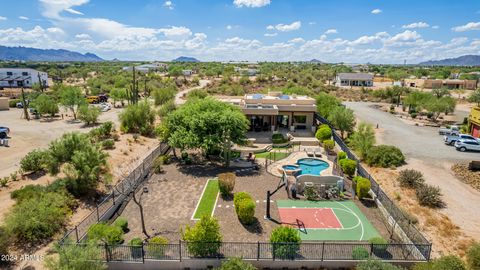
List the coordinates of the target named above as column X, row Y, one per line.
column 326, row 220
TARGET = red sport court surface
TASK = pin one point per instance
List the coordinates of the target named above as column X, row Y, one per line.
column 312, row 218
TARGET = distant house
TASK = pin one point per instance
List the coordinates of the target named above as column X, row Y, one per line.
column 451, row 84
column 22, row 77
column 354, row 79
column 187, row 72
column 147, row 67
column 246, row 71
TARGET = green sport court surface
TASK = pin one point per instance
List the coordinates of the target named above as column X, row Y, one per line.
column 326, row 220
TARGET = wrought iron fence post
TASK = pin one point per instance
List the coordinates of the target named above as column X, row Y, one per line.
column 180, row 249
column 98, row 215
column 113, row 196
column 273, row 251
column 323, row 249
column 143, row 253
column 76, row 233
column 106, row 253
column 371, row 249
column 258, row 250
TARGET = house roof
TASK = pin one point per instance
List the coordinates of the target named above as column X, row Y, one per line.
column 355, row 76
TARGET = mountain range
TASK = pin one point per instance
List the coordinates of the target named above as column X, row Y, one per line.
column 48, row 55
column 185, row 59
column 465, row 60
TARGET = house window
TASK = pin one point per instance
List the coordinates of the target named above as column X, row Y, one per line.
column 300, row 119
column 9, row 73
column 24, row 73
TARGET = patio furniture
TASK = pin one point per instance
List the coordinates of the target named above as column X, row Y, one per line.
column 309, row 153
column 317, row 153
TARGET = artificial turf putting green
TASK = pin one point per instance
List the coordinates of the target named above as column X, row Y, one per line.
column 207, row 200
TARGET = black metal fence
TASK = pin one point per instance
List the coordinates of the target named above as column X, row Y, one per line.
column 411, row 231
column 277, row 154
column 117, row 195
column 305, row 251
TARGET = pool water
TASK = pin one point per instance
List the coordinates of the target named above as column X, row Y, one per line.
column 290, row 167
column 311, row 166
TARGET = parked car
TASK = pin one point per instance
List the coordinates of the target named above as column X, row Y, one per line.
column 20, row 104
column 105, row 107
column 451, row 139
column 467, row 145
column 448, row 131
column 4, row 131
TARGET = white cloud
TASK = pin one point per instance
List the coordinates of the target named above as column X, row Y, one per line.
column 376, row 11
column 297, row 40
column 406, row 36
column 229, row 27
column 270, row 34
column 175, row 31
column 23, row 18
column 53, row 8
column 467, row 27
column 73, row 11
column 287, row 27
column 3, row 18
column 270, row 27
column 435, row 27
column 251, row 3
column 83, row 36
column 169, row 5
column 312, row 23
column 416, row 25
column 331, row 31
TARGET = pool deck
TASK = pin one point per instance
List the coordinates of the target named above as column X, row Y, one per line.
column 276, row 167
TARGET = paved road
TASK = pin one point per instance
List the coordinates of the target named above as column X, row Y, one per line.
column 179, row 96
column 414, row 141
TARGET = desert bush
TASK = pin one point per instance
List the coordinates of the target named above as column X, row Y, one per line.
column 137, row 118
column 197, row 93
column 376, row 265
column 72, row 256
column 88, row 114
column 450, row 262
column 328, row 145
column 44, row 104
column 136, row 247
column 324, row 132
column 226, row 183
column 429, row 196
column 341, row 155
column 165, row 159
column 12, row 103
column 156, row 247
column 36, row 219
column 379, row 245
column 4, row 181
column 360, row 253
column 108, row 144
column 236, row 264
column 122, row 223
column 106, row 234
column 204, row 238
column 363, row 186
column 5, row 242
column 244, row 207
column 385, row 156
column 163, row 95
column 286, row 242
column 413, row 115
column 158, row 165
column 310, row 193
column 166, row 108
column 34, row 161
column 410, row 178
column 349, row 166
column 473, row 257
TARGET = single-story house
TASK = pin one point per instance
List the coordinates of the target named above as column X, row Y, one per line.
column 354, row 79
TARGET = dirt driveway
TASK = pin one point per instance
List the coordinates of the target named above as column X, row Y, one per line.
column 35, row 134
column 425, row 151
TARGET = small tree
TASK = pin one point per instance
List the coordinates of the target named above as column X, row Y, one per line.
column 329, row 145
column 349, row 166
column 106, row 234
column 72, row 98
column 44, row 104
column 88, row 114
column 118, row 94
column 72, row 256
column 385, row 156
column 343, row 119
column 163, row 95
column 475, row 97
column 204, row 239
column 363, row 186
column 226, row 183
column 326, row 104
column 363, row 139
column 323, row 133
column 286, row 242
column 244, row 207
column 137, row 118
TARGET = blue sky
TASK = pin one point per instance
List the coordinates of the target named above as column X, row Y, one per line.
column 354, row 31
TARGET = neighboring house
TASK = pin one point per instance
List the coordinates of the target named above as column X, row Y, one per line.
column 354, row 79
column 147, row 67
column 450, row 84
column 276, row 111
column 246, row 71
column 22, row 77
column 187, row 72
column 474, row 122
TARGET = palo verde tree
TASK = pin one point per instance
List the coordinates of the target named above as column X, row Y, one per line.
column 207, row 124
column 363, row 139
column 343, row 119
column 72, row 98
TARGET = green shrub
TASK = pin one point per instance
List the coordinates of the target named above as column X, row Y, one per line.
column 328, row 145
column 88, row 114
column 34, row 161
column 136, row 247
column 165, row 159
column 122, row 223
column 310, row 193
column 12, row 103
column 197, row 93
column 360, row 253
column 27, row 192
column 448, row 263
column 349, row 166
column 108, row 144
column 286, row 242
column 72, row 256
column 429, row 196
column 379, row 245
column 236, row 264
column 278, row 138
column 136, row 242
column 137, row 118
column 413, row 115
column 363, row 187
column 157, row 165
column 244, row 207
column 341, row 155
column 410, row 178
column 44, row 104
column 106, row 234
column 156, row 247
column 385, row 156
column 204, row 239
column 5, row 242
column 163, row 95
column 324, row 132
column 4, row 182
column 226, row 183
column 376, row 265
column 36, row 219
column 473, row 257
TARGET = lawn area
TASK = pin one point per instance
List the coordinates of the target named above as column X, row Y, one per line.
column 207, row 200
column 273, row 155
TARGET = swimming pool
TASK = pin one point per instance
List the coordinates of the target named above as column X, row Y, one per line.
column 311, row 166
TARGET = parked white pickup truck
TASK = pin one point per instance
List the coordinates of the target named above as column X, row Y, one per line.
column 449, row 131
